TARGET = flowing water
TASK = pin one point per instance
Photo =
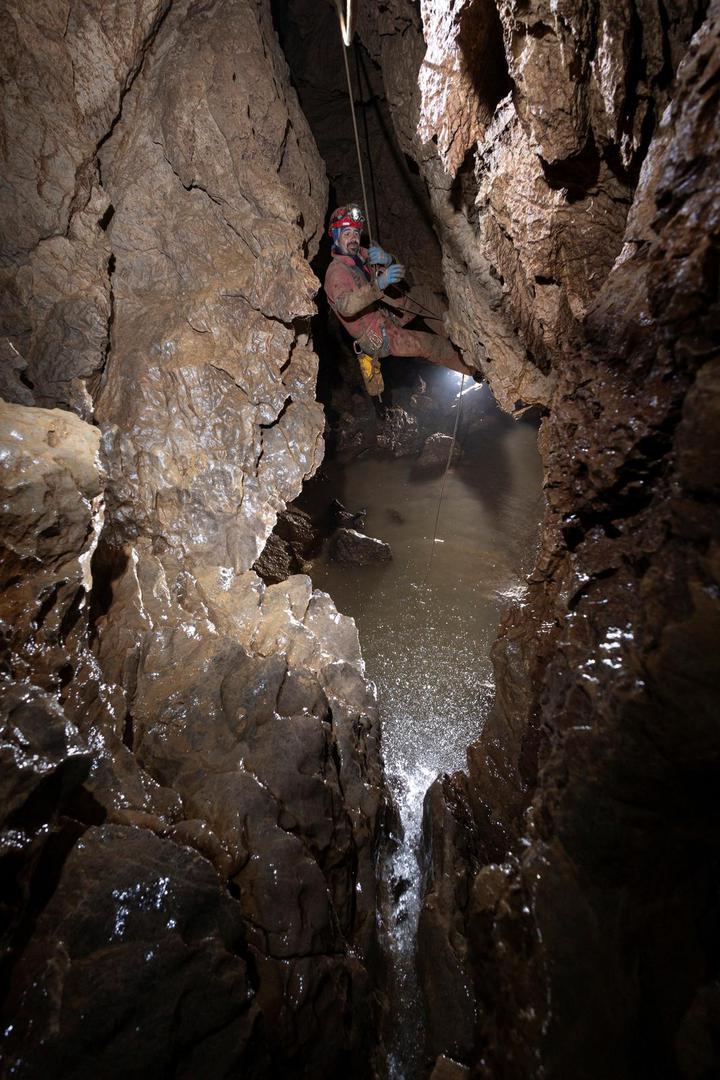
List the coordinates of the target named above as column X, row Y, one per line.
column 426, row 627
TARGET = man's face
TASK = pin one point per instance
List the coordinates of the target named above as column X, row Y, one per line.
column 349, row 241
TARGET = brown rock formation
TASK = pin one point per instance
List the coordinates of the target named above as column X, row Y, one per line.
column 529, row 190
column 67, row 68
column 351, row 546
column 578, row 889
column 194, row 789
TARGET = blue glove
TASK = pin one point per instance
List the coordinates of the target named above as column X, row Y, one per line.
column 378, row 257
column 391, row 276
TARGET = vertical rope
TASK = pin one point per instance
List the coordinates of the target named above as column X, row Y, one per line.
column 344, row 44
column 359, row 72
column 346, row 37
column 444, row 479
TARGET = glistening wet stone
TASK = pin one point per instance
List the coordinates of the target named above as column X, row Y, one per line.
column 427, row 625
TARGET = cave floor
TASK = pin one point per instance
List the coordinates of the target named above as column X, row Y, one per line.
column 426, row 637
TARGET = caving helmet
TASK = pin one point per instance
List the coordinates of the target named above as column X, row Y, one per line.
column 346, row 217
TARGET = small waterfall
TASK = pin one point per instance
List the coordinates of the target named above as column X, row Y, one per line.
column 427, row 643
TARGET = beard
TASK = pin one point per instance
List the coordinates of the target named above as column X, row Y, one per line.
column 353, row 247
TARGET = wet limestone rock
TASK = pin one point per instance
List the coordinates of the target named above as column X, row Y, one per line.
column 591, row 790
column 154, row 692
column 444, row 967
column 208, row 409
column 295, row 832
column 67, row 68
column 123, row 957
column 50, row 519
column 351, row 546
column 529, row 123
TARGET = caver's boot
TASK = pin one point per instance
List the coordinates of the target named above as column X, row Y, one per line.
column 441, row 350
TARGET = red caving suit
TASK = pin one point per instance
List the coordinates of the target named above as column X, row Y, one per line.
column 355, row 297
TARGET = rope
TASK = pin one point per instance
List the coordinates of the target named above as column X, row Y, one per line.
column 346, row 32
column 347, row 26
column 442, row 488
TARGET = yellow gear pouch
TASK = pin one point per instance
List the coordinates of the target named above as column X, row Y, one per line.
column 372, row 374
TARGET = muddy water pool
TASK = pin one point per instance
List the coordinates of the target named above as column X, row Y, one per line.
column 427, row 621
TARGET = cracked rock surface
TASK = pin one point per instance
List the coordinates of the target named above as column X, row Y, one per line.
column 529, row 122
column 193, row 791
column 568, row 921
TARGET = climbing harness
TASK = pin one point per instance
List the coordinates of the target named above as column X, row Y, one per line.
column 347, row 30
column 445, row 476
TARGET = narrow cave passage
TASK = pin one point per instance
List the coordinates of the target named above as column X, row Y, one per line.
column 194, row 806
column 428, row 618
column 462, row 540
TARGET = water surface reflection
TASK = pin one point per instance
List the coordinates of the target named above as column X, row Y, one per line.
column 427, row 621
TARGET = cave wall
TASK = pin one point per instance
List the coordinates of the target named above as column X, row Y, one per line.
column 192, row 793
column 571, row 904
column 529, row 122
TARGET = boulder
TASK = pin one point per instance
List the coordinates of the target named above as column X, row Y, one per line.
column 276, row 561
column 351, row 546
column 348, row 519
column 436, row 451
column 296, row 528
column 118, row 971
column 398, row 432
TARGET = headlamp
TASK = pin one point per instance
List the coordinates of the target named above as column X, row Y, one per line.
column 347, row 217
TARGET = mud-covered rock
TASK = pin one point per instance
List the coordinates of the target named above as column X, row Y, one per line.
column 276, row 560
column 438, row 451
column 592, row 820
column 351, row 546
column 398, row 432
column 295, row 526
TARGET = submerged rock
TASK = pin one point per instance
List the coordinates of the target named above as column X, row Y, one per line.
column 345, row 518
column 398, row 432
column 436, row 452
column 351, row 546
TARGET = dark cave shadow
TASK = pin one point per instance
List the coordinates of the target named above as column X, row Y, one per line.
column 406, row 167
